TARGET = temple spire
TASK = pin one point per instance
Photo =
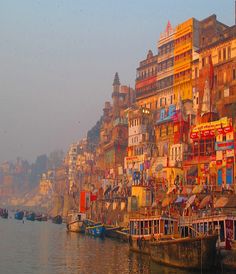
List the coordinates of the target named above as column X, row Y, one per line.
column 116, row 81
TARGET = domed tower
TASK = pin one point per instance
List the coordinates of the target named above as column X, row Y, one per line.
column 115, row 95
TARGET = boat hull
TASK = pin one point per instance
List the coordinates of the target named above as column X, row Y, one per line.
column 76, row 226
column 117, row 233
column 139, row 245
column 4, row 213
column 19, row 215
column 30, row 217
column 190, row 253
column 96, row 231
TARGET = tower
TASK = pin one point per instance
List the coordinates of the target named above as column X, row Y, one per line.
column 115, row 95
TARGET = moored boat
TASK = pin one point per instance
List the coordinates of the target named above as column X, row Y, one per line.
column 190, row 253
column 117, row 232
column 19, row 215
column 147, row 228
column 30, row 216
column 57, row 219
column 94, row 229
column 4, row 213
column 41, row 218
column 75, row 222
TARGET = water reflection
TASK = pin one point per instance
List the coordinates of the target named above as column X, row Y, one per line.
column 46, row 248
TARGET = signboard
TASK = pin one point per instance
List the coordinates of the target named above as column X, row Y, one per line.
column 224, row 122
column 204, row 130
column 225, row 145
column 167, row 114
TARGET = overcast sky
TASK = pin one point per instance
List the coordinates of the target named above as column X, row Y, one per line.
column 58, row 60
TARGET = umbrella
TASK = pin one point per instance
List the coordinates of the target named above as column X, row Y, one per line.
column 180, row 200
column 221, row 202
column 197, row 189
column 107, row 190
column 205, row 201
column 190, row 201
column 166, row 202
column 115, row 188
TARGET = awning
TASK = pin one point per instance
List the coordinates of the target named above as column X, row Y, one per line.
column 166, row 202
column 221, row 202
column 180, row 200
column 205, row 201
column 190, row 201
column 197, row 189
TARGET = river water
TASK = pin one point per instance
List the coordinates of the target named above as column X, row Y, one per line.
column 46, row 248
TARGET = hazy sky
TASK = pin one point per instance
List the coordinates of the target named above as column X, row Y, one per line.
column 58, row 59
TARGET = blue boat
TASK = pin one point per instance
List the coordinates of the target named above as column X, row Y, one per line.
column 30, row 217
column 96, row 230
column 19, row 215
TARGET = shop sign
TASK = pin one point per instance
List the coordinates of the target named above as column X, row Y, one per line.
column 230, row 153
column 219, row 155
column 167, row 114
column 204, row 130
column 225, row 145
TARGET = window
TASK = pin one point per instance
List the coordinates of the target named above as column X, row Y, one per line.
column 203, row 61
column 156, row 103
column 234, row 74
column 224, row 54
column 196, row 73
column 229, row 52
column 219, row 55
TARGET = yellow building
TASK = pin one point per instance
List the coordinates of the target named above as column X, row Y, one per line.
column 186, row 41
column 143, row 195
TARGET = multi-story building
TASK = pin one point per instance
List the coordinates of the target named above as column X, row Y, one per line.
column 114, row 131
column 146, row 81
column 141, row 143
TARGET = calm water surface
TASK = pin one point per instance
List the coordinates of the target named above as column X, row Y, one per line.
column 46, row 248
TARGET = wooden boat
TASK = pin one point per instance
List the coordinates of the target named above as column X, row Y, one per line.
column 41, row 218
column 4, row 213
column 159, row 237
column 205, row 223
column 75, row 222
column 19, row 215
column 190, row 253
column 117, row 232
column 94, row 229
column 30, row 216
column 145, row 229
column 57, row 219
